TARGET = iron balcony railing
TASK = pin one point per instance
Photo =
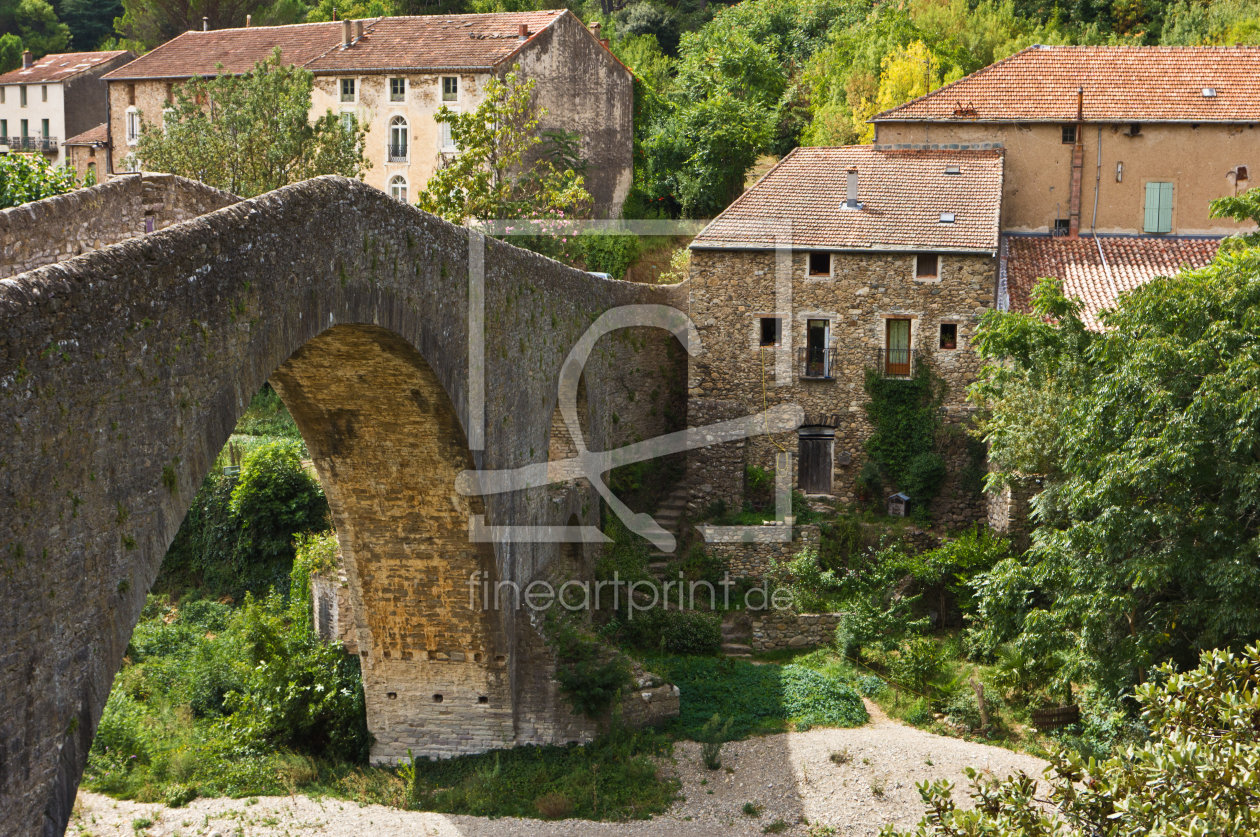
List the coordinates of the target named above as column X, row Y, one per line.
column 816, row 362
column 48, row 145
column 398, row 153
column 895, row 363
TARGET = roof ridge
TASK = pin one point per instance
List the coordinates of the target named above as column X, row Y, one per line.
column 978, row 72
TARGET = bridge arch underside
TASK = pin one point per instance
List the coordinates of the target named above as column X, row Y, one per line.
column 388, row 445
column 124, row 371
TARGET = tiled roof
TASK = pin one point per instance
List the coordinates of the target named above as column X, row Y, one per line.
column 901, row 195
column 97, row 136
column 1130, row 261
column 431, row 42
column 59, row 67
column 1121, row 84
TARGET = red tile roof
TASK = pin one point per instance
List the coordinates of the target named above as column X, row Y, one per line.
column 901, row 197
column 1122, row 84
column 97, row 136
column 59, row 67
column 432, row 42
column 1130, row 261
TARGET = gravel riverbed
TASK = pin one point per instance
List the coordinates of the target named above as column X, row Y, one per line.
column 790, row 776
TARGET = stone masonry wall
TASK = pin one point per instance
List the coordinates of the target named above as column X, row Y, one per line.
column 778, row 629
column 751, row 558
column 731, row 290
column 65, row 226
column 1009, row 510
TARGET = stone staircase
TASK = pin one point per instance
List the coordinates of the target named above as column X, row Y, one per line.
column 736, row 634
column 669, row 517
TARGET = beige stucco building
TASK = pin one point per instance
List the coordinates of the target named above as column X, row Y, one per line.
column 393, row 74
column 1113, row 140
column 43, row 102
column 838, row 261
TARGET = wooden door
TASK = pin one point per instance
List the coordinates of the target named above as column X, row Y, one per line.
column 814, row 462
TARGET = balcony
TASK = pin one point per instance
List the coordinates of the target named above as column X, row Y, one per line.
column 48, row 145
column 816, row 363
column 397, row 153
column 895, row 363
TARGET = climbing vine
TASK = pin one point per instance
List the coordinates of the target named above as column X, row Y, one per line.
column 905, row 415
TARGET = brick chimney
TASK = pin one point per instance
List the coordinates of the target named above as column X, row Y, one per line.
column 1078, row 165
column 27, row 60
column 522, row 31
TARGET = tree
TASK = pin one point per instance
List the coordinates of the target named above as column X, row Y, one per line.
column 91, row 22
column 495, row 175
column 10, row 52
column 1147, row 539
column 250, row 134
column 153, row 22
column 30, row 177
column 35, row 22
column 1199, row 774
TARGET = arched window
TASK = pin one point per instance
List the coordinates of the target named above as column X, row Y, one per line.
column 398, row 188
column 398, row 140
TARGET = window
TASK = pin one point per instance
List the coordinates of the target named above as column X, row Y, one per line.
column 927, row 266
column 91, row 150
column 1159, row 207
column 348, row 121
column 398, row 140
column 347, row 90
column 897, row 347
column 4, row 128
column 445, row 140
column 1069, row 135
column 25, row 129
column 22, row 95
column 397, row 89
column 1062, row 226
column 133, row 126
column 398, row 188
column 43, row 92
column 817, row 356
column 1, row 94
column 91, row 170
column 44, row 131
column 771, row 331
column 819, row 264
column 450, row 89
column 170, row 93
column 1240, row 173
column 949, row 335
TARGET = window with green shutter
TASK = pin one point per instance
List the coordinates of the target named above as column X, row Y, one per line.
column 1159, row 197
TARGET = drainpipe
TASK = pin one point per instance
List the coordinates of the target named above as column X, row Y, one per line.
column 1078, row 163
column 1093, row 224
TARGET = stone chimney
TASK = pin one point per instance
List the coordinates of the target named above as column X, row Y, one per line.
column 595, row 27
column 851, row 197
column 358, row 30
column 522, row 31
column 345, row 33
column 27, row 60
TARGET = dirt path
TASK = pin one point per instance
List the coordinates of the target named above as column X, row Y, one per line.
column 791, row 776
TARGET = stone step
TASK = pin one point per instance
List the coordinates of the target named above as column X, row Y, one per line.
column 735, row 649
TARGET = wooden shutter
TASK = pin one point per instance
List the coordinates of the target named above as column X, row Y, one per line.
column 1159, row 197
column 814, row 460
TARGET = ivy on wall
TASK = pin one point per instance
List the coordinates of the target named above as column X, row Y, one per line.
column 906, row 417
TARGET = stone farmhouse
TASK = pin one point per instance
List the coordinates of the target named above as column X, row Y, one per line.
column 392, row 74
column 840, row 260
column 55, row 97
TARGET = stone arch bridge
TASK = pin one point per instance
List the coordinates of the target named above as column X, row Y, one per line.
column 123, row 371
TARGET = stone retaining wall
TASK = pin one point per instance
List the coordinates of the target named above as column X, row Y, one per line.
column 751, row 555
column 64, row 226
column 776, row 629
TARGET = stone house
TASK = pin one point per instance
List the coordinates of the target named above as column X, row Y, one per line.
column 841, row 260
column 81, row 155
column 55, row 97
column 1120, row 140
column 393, row 74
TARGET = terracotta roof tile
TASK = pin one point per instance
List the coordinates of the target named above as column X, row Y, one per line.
column 59, row 67
column 97, row 136
column 1130, row 261
column 1122, row 84
column 431, row 42
column 901, row 194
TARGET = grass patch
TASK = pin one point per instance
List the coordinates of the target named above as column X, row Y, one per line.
column 757, row 698
column 612, row 778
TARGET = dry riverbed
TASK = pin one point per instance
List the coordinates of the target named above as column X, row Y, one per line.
column 791, row 777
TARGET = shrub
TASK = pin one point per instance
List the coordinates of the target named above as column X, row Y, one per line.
column 179, row 795
column 691, row 632
column 591, row 687
column 609, row 252
column 915, row 665
column 870, row 482
column 839, row 542
column 924, row 476
column 276, row 497
column 752, row 809
column 712, row 736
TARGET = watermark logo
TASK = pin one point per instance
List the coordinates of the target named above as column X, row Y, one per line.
column 638, row 596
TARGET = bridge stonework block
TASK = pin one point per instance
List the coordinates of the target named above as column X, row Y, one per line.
column 123, row 371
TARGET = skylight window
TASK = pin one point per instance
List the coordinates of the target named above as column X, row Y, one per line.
column 947, row 217
column 1209, row 92
column 953, row 170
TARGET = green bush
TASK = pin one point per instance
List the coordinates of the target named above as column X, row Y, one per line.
column 839, row 542
column 712, row 736
column 924, row 476
column 609, row 253
column 870, row 482
column 30, row 177
column 276, row 497
column 675, row 632
column 915, row 665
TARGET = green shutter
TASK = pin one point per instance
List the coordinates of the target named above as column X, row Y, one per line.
column 1159, row 197
column 1165, row 207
